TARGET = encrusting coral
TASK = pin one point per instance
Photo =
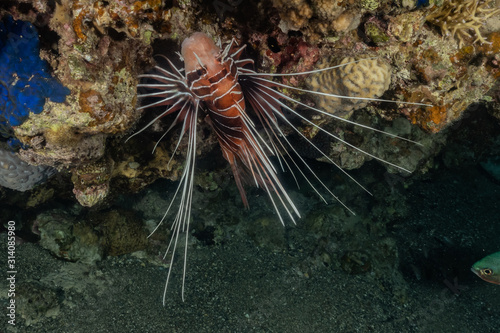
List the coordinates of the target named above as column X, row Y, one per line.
column 458, row 17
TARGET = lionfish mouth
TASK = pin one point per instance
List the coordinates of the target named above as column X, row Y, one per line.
column 219, row 83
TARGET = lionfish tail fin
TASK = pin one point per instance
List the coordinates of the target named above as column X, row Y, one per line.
column 238, row 178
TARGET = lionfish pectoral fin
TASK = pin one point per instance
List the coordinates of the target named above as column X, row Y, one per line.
column 267, row 104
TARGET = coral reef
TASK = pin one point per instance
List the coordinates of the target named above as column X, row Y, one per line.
column 19, row 175
column 25, row 80
column 97, row 49
column 425, row 67
column 366, row 78
column 458, row 17
column 122, row 17
column 100, row 66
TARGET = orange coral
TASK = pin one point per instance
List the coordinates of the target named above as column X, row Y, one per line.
column 432, row 119
column 78, row 21
column 91, row 102
column 493, row 47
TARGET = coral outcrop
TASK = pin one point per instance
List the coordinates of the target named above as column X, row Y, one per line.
column 97, row 49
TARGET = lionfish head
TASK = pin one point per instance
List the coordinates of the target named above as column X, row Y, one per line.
column 199, row 51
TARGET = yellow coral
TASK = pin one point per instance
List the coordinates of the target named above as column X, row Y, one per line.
column 457, row 17
column 327, row 9
column 316, row 15
column 295, row 13
column 367, row 78
column 346, row 21
column 123, row 16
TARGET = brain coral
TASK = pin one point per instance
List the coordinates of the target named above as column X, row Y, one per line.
column 25, row 82
column 367, row 78
column 19, row 175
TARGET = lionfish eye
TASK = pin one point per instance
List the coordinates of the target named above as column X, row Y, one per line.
column 487, row 271
column 199, row 72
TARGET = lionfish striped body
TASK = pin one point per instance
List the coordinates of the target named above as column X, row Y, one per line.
column 219, row 83
column 213, row 78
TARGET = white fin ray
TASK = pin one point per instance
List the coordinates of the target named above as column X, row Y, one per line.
column 309, row 168
column 333, row 135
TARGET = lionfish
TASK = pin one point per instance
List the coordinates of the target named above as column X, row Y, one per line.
column 222, row 84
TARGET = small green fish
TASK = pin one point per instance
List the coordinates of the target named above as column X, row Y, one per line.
column 488, row 268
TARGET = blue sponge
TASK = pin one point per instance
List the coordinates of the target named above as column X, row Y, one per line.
column 25, row 81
